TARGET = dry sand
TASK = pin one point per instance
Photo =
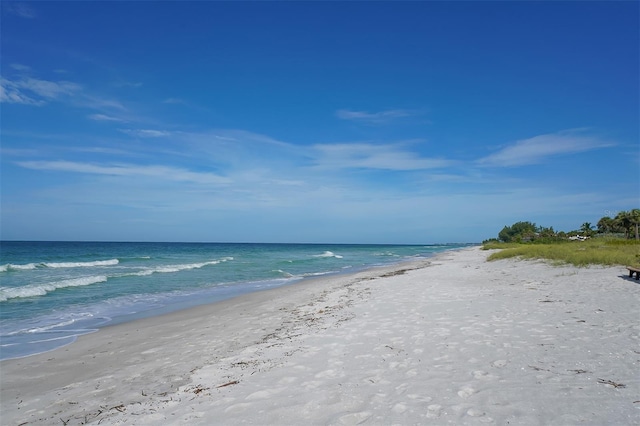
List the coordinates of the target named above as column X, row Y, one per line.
column 456, row 340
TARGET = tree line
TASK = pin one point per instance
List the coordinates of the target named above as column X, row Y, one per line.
column 625, row 223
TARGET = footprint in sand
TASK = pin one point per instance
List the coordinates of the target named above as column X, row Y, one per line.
column 354, row 418
column 475, row 413
column 499, row 363
column 263, row 394
column 419, row 397
column 399, row 408
column 480, row 415
column 482, row 375
column 411, row 373
column 466, row 392
column 238, row 408
column 402, row 388
column 434, row 411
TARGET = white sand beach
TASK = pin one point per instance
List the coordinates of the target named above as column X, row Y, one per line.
column 450, row 340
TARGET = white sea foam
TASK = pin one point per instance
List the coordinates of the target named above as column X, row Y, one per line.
column 387, row 253
column 284, row 273
column 29, row 266
column 109, row 262
column 178, row 268
column 70, row 336
column 49, row 327
column 328, row 254
column 12, row 267
column 316, row 274
column 7, row 293
column 52, row 326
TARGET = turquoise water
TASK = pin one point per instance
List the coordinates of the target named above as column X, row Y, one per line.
column 51, row 292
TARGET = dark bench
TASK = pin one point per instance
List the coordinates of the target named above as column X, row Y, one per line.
column 632, row 271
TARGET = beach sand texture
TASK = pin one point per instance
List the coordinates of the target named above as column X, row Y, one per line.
column 450, row 340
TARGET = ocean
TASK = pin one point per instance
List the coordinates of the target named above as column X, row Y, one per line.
column 52, row 292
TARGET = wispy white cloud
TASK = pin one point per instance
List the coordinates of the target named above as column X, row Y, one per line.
column 374, row 117
column 33, row 91
column 244, row 150
column 100, row 103
column 48, row 89
column 235, row 173
column 11, row 94
column 536, row 149
column 161, row 173
column 28, row 90
column 371, row 156
column 146, row 133
column 104, row 117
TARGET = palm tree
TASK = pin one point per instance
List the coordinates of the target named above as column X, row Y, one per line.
column 605, row 225
column 623, row 220
column 586, row 228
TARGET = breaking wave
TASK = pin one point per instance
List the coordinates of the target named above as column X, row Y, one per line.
column 283, row 273
column 7, row 293
column 110, row 262
column 178, row 268
column 328, row 254
column 57, row 265
column 11, row 267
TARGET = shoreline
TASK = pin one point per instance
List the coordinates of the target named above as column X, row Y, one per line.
column 450, row 338
column 86, row 346
column 166, row 304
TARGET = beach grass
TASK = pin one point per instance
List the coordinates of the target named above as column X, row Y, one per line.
column 597, row 251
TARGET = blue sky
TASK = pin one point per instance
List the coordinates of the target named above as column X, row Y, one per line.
column 345, row 122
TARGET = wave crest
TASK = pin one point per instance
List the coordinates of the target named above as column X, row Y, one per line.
column 283, row 273
column 12, row 267
column 7, row 293
column 56, row 265
column 328, row 254
column 110, row 262
column 178, row 268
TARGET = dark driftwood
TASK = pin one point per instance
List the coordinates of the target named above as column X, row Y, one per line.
column 234, row 382
column 612, row 383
